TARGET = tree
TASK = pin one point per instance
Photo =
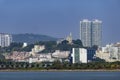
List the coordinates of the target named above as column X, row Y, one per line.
column 95, row 47
column 78, row 42
column 64, row 42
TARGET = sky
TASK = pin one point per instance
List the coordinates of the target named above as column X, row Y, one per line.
column 57, row 18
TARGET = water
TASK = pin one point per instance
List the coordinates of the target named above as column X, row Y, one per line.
column 59, row 75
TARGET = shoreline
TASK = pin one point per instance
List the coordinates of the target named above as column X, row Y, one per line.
column 55, row 70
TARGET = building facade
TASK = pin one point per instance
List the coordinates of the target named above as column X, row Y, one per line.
column 5, row 39
column 82, row 55
column 37, row 49
column 96, row 36
column 79, row 55
column 90, row 54
column 90, row 32
column 110, row 53
column 61, row 54
column 85, row 32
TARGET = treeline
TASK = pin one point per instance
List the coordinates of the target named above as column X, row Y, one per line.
column 58, row 65
column 92, row 65
column 16, row 47
column 50, row 46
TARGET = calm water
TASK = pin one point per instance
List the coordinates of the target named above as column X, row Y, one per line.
column 59, row 75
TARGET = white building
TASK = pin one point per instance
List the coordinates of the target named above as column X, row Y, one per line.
column 90, row 32
column 25, row 44
column 69, row 38
column 37, row 48
column 110, row 53
column 41, row 58
column 5, row 39
column 79, row 55
column 61, row 54
column 82, row 55
column 17, row 56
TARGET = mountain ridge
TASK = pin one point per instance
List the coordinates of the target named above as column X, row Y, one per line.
column 31, row 38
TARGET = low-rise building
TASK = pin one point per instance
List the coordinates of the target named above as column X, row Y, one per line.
column 18, row 56
column 110, row 52
column 82, row 55
column 41, row 58
column 61, row 54
column 37, row 48
column 79, row 55
column 25, row 44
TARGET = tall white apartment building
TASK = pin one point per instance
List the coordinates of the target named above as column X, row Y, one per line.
column 5, row 39
column 90, row 32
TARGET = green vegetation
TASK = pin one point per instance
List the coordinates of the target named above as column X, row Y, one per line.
column 31, row 38
column 50, row 46
column 16, row 47
column 58, row 65
column 2, row 57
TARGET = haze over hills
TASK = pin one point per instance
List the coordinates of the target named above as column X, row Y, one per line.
column 32, row 38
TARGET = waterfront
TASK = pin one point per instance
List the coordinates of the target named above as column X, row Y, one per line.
column 73, row 75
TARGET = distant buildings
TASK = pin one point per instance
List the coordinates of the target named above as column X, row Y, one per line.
column 82, row 55
column 61, row 54
column 41, row 58
column 5, row 39
column 35, row 56
column 110, row 52
column 25, row 44
column 37, row 48
column 68, row 38
column 49, row 57
column 18, row 56
column 90, row 35
column 90, row 32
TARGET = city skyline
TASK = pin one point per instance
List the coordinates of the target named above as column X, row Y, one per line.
column 59, row 18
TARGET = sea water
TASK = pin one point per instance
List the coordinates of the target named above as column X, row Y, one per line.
column 60, row 75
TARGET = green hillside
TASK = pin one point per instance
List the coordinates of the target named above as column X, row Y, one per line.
column 32, row 38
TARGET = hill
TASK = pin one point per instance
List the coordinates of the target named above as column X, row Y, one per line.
column 31, row 38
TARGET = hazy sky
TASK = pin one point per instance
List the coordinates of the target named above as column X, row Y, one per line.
column 58, row 18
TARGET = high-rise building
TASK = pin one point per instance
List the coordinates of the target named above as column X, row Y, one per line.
column 85, row 32
column 96, row 33
column 90, row 32
column 5, row 39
